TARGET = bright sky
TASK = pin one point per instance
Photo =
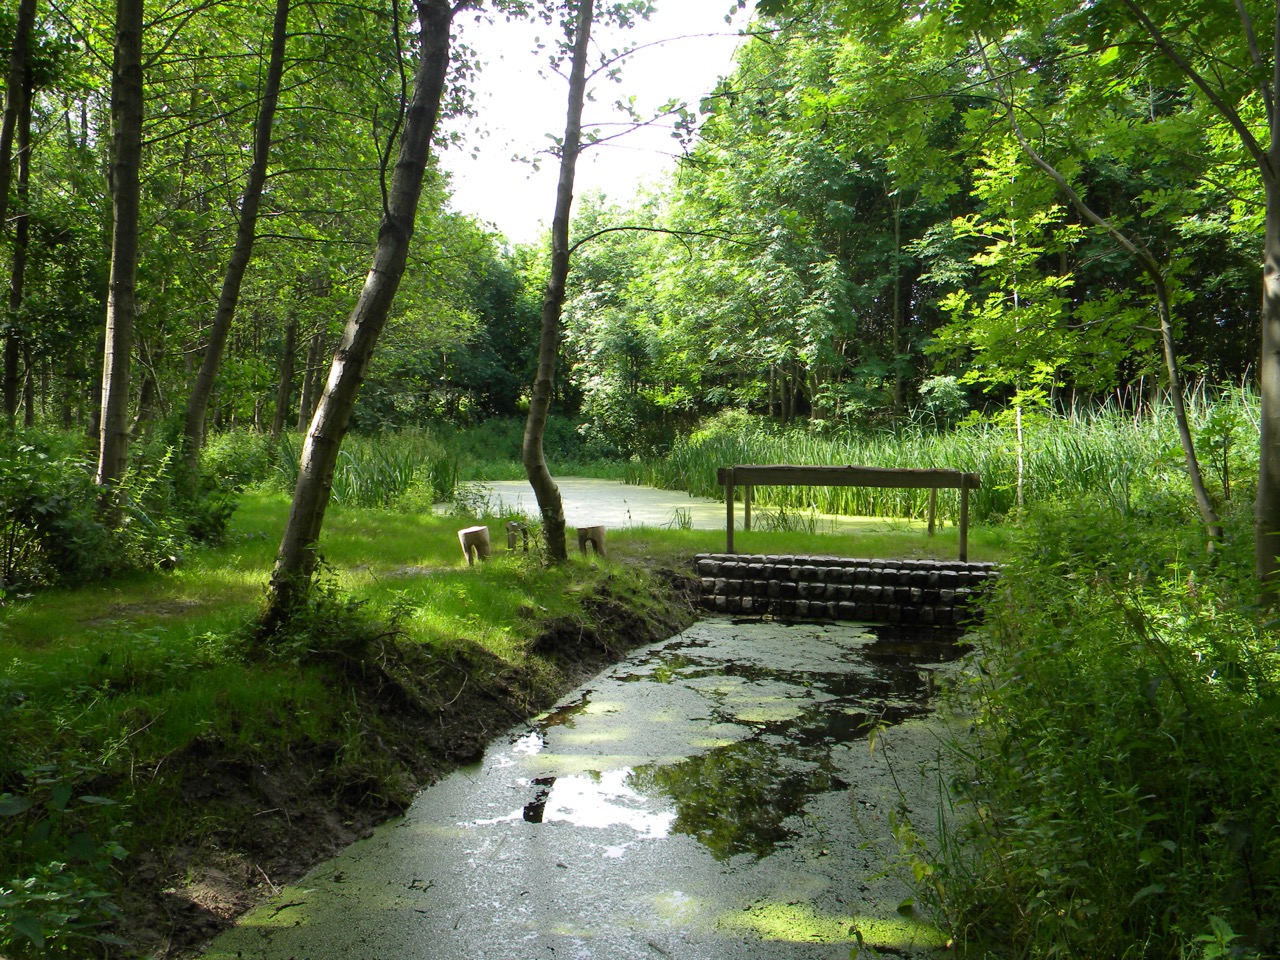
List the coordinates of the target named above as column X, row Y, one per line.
column 517, row 109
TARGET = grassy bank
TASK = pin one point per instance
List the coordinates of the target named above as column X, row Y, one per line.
column 151, row 746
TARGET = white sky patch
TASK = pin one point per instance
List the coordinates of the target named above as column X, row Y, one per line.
column 520, row 102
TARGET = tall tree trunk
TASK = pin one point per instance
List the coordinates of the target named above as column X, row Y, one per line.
column 285, row 386
column 14, row 91
column 28, row 388
column 17, row 114
column 296, row 560
column 310, row 376
column 13, row 344
column 899, row 381
column 535, row 463
column 126, row 127
column 1267, row 505
column 198, row 402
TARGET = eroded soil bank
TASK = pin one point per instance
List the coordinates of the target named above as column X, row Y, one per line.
column 244, row 826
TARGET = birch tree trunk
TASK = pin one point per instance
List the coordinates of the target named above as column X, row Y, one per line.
column 198, row 402
column 126, row 127
column 535, row 464
column 296, row 560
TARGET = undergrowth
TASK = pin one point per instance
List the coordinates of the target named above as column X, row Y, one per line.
column 1121, row 792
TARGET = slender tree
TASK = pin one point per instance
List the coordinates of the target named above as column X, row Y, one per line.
column 126, row 145
column 296, row 560
column 246, row 232
column 535, row 464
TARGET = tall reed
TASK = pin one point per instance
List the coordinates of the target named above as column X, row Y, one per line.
column 375, row 471
column 1108, row 451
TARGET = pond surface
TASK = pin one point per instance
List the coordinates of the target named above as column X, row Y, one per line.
column 611, row 503
column 714, row 796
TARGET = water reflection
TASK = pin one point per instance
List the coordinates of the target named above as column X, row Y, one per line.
column 746, row 795
column 737, row 799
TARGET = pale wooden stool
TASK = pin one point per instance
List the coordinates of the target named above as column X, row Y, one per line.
column 475, row 543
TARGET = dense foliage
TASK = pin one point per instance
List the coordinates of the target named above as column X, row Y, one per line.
column 1122, row 781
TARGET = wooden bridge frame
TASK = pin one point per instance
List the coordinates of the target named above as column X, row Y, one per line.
column 750, row 476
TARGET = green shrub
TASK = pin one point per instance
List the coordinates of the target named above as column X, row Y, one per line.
column 237, row 459
column 59, row 856
column 50, row 529
column 1125, row 776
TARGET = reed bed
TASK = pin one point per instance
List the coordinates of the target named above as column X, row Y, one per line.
column 377, row 471
column 1108, row 452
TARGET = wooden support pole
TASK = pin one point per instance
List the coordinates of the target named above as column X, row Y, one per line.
column 933, row 507
column 726, row 478
column 964, row 523
column 746, row 507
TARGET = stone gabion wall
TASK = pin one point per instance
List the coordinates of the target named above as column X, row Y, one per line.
column 929, row 592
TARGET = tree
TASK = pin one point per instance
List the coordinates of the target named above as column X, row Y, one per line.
column 296, row 559
column 535, row 463
column 246, row 233
column 1236, row 75
column 126, row 114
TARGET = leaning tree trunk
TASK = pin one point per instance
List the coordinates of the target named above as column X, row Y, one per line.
column 535, row 463
column 126, row 143
column 296, row 561
column 198, row 402
column 1151, row 267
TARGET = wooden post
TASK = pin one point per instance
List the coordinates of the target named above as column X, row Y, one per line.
column 726, row 477
column 475, row 543
column 933, row 507
column 746, row 507
column 964, row 520
column 593, row 536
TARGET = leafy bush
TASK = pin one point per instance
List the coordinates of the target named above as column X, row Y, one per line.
column 237, row 459
column 54, row 893
column 1125, row 779
column 57, row 526
column 50, row 530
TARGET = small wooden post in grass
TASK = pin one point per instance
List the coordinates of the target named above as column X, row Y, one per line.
column 475, row 543
column 593, row 536
column 515, row 532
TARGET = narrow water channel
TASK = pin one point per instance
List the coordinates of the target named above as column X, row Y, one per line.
column 713, row 796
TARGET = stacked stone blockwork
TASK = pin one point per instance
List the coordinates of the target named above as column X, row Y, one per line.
column 928, row 592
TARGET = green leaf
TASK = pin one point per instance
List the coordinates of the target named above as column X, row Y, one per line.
column 11, row 806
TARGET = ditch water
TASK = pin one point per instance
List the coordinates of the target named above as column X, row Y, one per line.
column 713, row 796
